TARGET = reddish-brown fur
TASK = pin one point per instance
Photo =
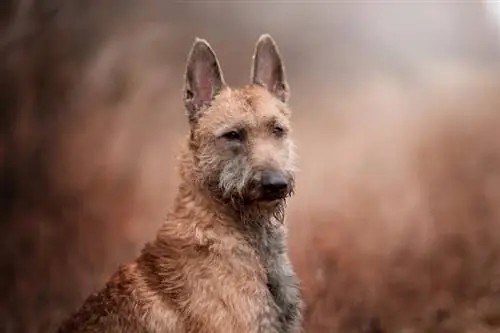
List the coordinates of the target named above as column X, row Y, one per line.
column 219, row 262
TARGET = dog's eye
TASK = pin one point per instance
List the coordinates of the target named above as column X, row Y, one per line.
column 278, row 131
column 233, row 135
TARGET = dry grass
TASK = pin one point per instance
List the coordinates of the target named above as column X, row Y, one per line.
column 403, row 235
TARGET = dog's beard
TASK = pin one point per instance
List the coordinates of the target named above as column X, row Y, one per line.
column 245, row 197
column 234, row 182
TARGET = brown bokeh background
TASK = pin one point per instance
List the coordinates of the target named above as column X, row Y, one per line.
column 395, row 226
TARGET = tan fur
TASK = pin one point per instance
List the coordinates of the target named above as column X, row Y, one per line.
column 218, row 263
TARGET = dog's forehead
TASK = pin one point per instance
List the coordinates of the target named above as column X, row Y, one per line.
column 246, row 105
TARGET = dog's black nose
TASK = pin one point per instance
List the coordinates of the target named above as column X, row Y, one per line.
column 273, row 182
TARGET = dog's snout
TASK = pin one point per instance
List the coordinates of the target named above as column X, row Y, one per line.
column 273, row 182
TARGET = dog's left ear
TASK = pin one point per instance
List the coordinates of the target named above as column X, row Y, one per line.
column 268, row 69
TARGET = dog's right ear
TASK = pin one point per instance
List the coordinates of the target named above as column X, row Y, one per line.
column 204, row 79
column 268, row 69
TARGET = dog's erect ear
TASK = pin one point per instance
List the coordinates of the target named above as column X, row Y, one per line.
column 267, row 68
column 204, row 78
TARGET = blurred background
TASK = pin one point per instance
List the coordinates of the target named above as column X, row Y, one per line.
column 395, row 226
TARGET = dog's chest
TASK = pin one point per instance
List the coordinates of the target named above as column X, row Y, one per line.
column 281, row 281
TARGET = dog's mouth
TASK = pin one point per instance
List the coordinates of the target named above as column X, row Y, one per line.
column 270, row 196
column 256, row 193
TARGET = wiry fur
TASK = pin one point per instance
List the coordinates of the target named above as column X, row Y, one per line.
column 219, row 263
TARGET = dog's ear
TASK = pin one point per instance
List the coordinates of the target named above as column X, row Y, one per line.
column 268, row 69
column 203, row 78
